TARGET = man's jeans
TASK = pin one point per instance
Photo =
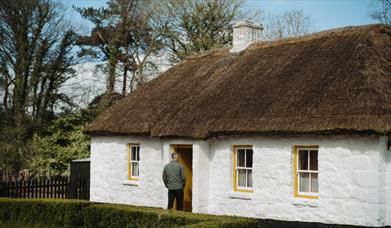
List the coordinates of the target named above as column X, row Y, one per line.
column 178, row 195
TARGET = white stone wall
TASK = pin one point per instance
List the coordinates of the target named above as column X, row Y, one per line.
column 201, row 177
column 351, row 181
column 109, row 172
column 387, row 160
column 109, row 182
column 354, row 178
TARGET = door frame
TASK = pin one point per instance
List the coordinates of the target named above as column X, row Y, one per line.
column 173, row 148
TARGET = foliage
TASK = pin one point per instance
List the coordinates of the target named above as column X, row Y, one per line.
column 14, row 150
column 60, row 213
column 63, row 142
column 76, row 213
column 111, row 215
column 381, row 11
column 125, row 32
column 35, row 61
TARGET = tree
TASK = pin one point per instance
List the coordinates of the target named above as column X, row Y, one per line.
column 35, row 61
column 381, row 11
column 290, row 24
column 127, row 32
column 200, row 25
column 63, row 142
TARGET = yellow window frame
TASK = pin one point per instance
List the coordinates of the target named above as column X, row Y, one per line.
column 235, row 180
column 295, row 170
column 130, row 145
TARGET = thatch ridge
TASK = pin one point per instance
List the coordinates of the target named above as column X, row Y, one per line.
column 337, row 80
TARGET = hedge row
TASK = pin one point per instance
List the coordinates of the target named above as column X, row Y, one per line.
column 78, row 213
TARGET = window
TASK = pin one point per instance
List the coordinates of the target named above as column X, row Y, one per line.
column 243, row 168
column 306, row 171
column 133, row 161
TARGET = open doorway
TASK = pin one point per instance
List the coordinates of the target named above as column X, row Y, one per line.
column 186, row 159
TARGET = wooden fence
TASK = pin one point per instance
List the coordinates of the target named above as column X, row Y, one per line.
column 43, row 188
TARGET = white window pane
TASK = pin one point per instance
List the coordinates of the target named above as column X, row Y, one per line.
column 304, row 182
column 135, row 170
column 240, row 157
column 249, row 158
column 314, row 182
column 249, row 178
column 303, row 159
column 241, row 177
column 314, row 160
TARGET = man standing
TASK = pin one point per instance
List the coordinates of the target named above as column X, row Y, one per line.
column 174, row 179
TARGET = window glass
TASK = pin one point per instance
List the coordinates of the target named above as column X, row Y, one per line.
column 242, row 177
column 304, row 182
column 249, row 178
column 303, row 159
column 241, row 156
column 249, row 158
column 314, row 182
column 314, row 160
column 135, row 169
column 134, row 153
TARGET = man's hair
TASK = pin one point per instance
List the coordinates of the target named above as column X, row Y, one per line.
column 174, row 154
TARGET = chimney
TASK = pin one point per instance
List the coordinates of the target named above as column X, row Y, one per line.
column 244, row 34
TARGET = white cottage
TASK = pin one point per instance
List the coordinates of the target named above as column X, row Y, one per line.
column 296, row 130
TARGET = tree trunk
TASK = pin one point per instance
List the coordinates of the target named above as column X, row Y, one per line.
column 112, row 65
column 125, row 76
column 5, row 88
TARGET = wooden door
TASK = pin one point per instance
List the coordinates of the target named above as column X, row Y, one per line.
column 186, row 159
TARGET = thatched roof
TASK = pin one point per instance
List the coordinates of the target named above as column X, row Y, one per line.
column 333, row 81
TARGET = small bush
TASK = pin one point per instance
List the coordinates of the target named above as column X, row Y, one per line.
column 77, row 213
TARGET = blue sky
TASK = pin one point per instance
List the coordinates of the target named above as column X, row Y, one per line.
column 326, row 14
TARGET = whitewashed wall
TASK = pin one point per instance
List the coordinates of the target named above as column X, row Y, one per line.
column 352, row 181
column 109, row 172
column 354, row 178
column 387, row 160
column 109, row 182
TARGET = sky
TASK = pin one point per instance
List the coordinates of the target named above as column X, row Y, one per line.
column 325, row 14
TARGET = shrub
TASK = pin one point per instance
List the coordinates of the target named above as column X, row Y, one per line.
column 78, row 213
column 108, row 215
column 56, row 212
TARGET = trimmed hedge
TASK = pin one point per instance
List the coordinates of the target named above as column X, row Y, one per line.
column 55, row 212
column 112, row 215
column 78, row 213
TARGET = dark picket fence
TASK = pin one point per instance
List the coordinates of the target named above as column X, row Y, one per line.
column 43, row 188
